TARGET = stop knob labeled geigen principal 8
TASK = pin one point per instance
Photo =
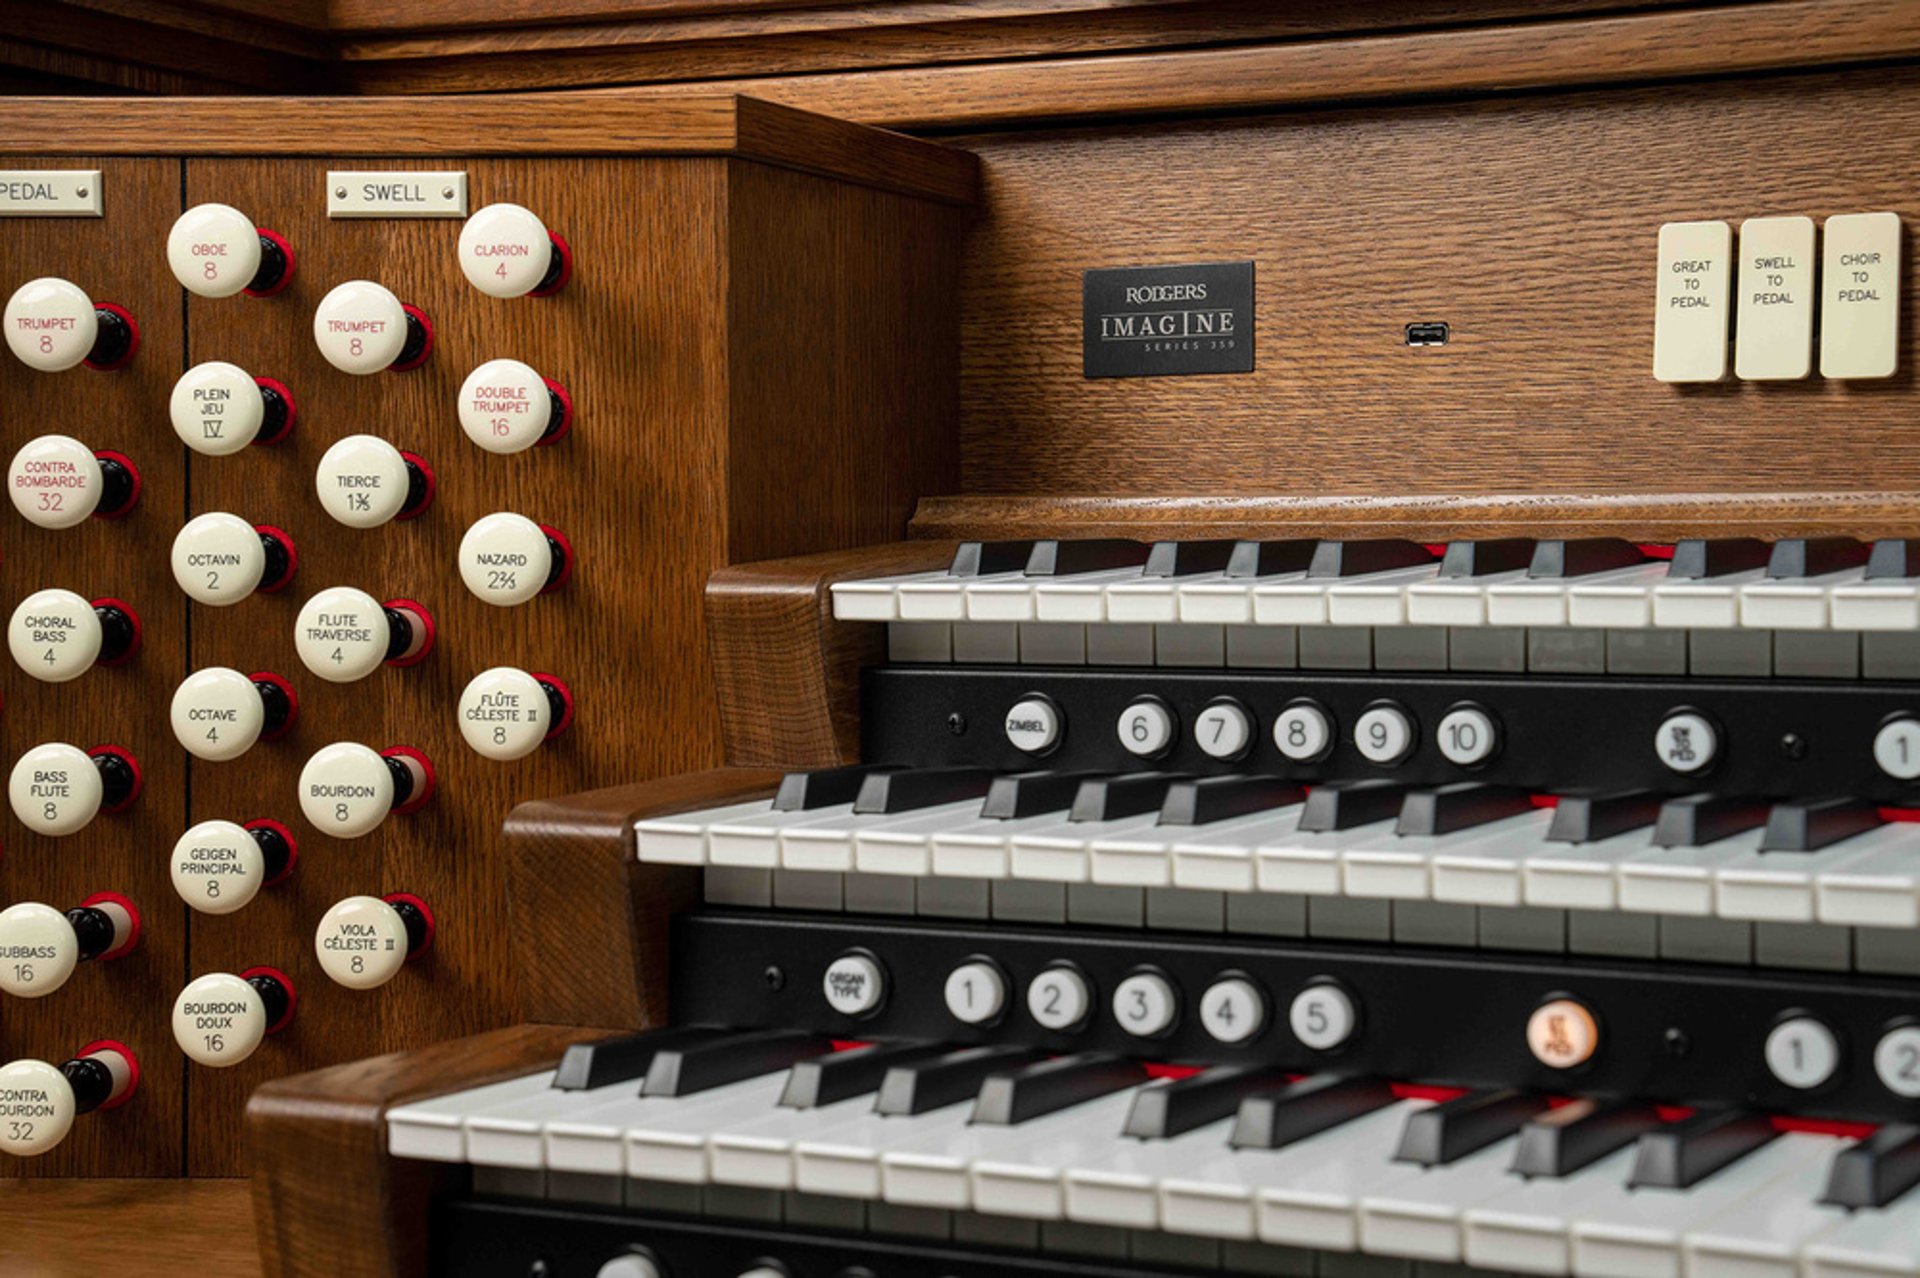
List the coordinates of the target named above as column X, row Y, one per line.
column 219, row 409
column 56, row 635
column 507, row 713
column 56, row 789
column 39, row 1101
column 363, row 482
column 507, row 407
column 347, row 789
column 220, row 559
column 218, row 867
column 51, row 325
column 40, row 946
column 222, row 1018
column 56, row 481
column 364, row 941
column 343, row 634
column 507, row 251
column 361, row 327
column 215, row 250
column 218, row 713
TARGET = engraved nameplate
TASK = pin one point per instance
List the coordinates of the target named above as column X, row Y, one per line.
column 381, row 193
column 1167, row 321
column 50, row 193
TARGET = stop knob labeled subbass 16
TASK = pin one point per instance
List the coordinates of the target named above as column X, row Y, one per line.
column 507, row 713
column 56, row 635
column 56, row 481
column 218, row 713
column 343, row 634
column 348, row 789
column 361, row 327
column 56, row 789
column 219, row 409
column 39, row 1100
column 218, row 867
column 222, row 1018
column 507, row 251
column 40, row 946
column 51, row 325
column 215, row 250
column 220, row 559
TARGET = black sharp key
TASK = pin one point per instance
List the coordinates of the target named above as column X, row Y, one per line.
column 1562, row 1141
column 946, row 1080
column 1342, row 805
column 1583, row 557
column 1815, row 556
column 1358, row 558
column 700, row 1067
column 1589, row 818
column 1484, row 558
column 1699, row 819
column 621, row 1060
column 912, row 789
column 1025, row 794
column 1893, row 559
column 983, row 558
column 1306, row 1108
column 1185, row 558
column 1681, row 1155
column 1460, row 805
column 1696, row 559
column 838, row 1076
column 1169, row 1109
column 1205, row 800
column 1808, row 825
column 1265, row 558
column 1110, row 798
column 806, row 791
column 1875, row 1171
column 1066, row 558
column 1034, row 1091
column 1453, row 1129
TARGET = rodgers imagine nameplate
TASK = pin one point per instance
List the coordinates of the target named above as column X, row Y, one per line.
column 1168, row 321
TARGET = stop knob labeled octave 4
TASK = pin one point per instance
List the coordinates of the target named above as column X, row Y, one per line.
column 57, row 635
column 39, row 1101
column 40, row 946
column 216, row 251
column 218, row 713
column 347, row 789
column 51, row 325
column 222, row 1018
column 56, row 789
column 56, row 481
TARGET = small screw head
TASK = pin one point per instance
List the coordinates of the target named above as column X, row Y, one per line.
column 80, row 191
column 339, row 192
column 1793, row 746
column 957, row 724
column 775, row 977
column 446, row 193
column 1676, row 1042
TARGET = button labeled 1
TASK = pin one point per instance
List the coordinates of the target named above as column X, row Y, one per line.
column 56, row 482
column 39, row 1101
column 40, row 946
column 976, row 992
column 507, row 559
column 348, row 789
column 507, row 251
column 221, row 1019
column 507, row 713
column 219, row 409
column 56, row 635
column 343, row 635
column 218, row 713
column 363, row 482
column 218, row 866
column 220, row 559
column 364, row 941
column 56, row 789
column 1802, row 1053
column 215, row 250
column 361, row 327
column 51, row 325
column 506, row 407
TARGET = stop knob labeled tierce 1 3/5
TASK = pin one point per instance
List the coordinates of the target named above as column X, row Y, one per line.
column 507, row 713
column 507, row 251
column 343, row 634
column 221, row 1019
column 219, row 409
column 218, row 867
column 361, row 327
column 56, row 481
column 363, row 482
column 215, row 250
column 507, row 559
column 39, row 1101
column 218, row 713
column 51, row 325
column 220, row 559
column 40, row 946
column 56, row 788
column 507, row 407
column 364, row 941
column 347, row 789
column 56, row 635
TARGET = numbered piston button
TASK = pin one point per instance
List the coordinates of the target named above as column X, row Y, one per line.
column 364, row 941
column 221, row 1019
column 507, row 407
column 347, row 789
column 507, row 251
column 363, row 482
column 361, row 327
column 56, row 482
column 52, row 325
column 56, row 788
column 218, row 867
column 343, row 634
column 220, row 559
column 56, row 635
column 40, row 946
column 215, row 250
column 507, row 713
column 219, row 409
column 218, row 713
column 39, row 1101
column 507, row 559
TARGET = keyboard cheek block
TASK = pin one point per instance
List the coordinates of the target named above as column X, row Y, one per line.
column 1668, row 1033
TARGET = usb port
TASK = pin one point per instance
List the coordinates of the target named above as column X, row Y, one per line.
column 1429, row 334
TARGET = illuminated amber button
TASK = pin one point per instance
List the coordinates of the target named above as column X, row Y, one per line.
column 1563, row 1034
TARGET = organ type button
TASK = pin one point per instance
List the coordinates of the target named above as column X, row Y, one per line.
column 1467, row 735
column 220, row 559
column 1147, row 728
column 1323, row 1016
column 40, row 946
column 634, row 1266
column 1034, row 724
column 55, row 789
column 507, row 251
column 218, row 409
column 976, row 992
column 1773, row 340
column 56, row 482
column 506, row 713
column 364, row 941
column 56, row 635
column 1802, row 1053
column 1059, row 998
column 854, row 984
column 51, row 326
column 1690, row 322
column 1233, row 1010
column 348, row 789
column 39, row 1101
column 1145, row 1004
column 1384, row 733
column 215, row 250
column 1896, row 1059
column 343, row 634
column 363, row 481
column 1686, row 741
column 507, row 559
column 1896, row 747
column 219, row 866
column 1303, row 731
column 1224, row 729
column 361, row 327
column 1562, row 1034
column 221, row 1019
column 507, row 407
column 1859, row 296
column 218, row 713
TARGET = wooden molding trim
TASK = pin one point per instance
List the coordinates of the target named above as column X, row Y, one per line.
column 540, row 123
column 1647, row 516
column 788, row 676
column 572, row 874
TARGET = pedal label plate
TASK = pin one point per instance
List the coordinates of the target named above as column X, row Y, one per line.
column 1167, row 321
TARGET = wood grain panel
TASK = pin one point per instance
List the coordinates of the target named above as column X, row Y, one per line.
column 129, row 999
column 80, row 1229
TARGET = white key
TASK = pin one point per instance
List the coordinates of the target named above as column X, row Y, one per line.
column 1419, row 1217
column 845, row 1162
column 1795, row 603
column 1377, row 599
column 1680, row 880
column 1401, row 867
column 1226, row 600
column 1779, row 887
column 1065, row 854
column 682, row 840
column 1220, row 857
column 1487, row 870
column 511, row 1133
column 671, row 1143
column 1455, row 601
column 828, row 844
column 1873, row 1244
column 433, row 1129
column 1116, row 1182
column 1542, row 601
column 1881, row 889
column 1529, row 1229
column 757, row 1150
column 982, row 849
column 999, row 596
column 931, row 1167
column 753, row 840
column 1619, row 602
column 906, row 847
column 1581, row 876
column 1080, row 597
column 1027, row 1176
column 1767, row 1233
column 1875, row 605
column 1703, row 603
column 1304, row 601
column 877, row 599
column 1310, row 864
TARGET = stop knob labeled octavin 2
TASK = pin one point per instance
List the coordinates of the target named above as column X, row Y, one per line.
column 220, row 559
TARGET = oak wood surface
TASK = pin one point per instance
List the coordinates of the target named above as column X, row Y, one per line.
column 86, row 1228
